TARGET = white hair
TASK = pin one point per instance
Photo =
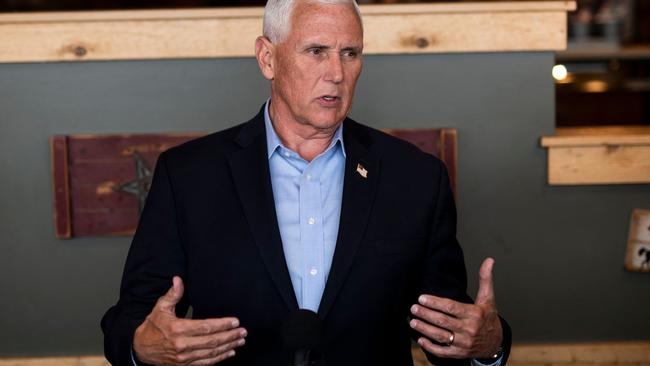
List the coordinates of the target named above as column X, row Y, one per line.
column 277, row 16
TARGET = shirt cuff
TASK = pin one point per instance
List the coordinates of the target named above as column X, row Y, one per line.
column 496, row 362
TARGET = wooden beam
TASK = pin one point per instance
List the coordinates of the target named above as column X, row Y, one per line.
column 611, row 155
column 231, row 32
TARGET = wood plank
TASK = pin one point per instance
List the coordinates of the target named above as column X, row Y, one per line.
column 55, row 361
column 600, row 135
column 257, row 12
column 632, row 353
column 614, row 353
column 595, row 140
column 602, row 130
column 61, row 190
column 562, row 354
column 599, row 155
column 599, row 165
column 209, row 33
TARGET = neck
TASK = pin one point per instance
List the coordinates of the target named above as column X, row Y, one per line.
column 307, row 140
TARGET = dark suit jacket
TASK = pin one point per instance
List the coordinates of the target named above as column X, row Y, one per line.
column 210, row 218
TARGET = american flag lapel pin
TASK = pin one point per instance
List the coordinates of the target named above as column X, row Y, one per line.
column 362, row 171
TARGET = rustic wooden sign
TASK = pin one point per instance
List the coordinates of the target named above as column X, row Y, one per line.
column 101, row 181
column 637, row 256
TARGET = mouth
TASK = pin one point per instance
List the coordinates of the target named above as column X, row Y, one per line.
column 329, row 99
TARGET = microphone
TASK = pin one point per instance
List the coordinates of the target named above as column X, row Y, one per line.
column 302, row 336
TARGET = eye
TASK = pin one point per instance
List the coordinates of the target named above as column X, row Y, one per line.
column 350, row 54
column 315, row 51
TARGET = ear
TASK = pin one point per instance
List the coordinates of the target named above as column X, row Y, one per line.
column 264, row 52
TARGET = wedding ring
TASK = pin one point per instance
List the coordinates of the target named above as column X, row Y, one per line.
column 451, row 339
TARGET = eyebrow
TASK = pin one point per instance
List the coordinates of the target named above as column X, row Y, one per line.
column 322, row 46
column 352, row 48
column 316, row 45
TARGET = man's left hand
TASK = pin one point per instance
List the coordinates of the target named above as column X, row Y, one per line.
column 461, row 330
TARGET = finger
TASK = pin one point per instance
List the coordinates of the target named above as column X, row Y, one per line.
column 434, row 317
column 168, row 301
column 441, row 351
column 212, row 341
column 207, row 354
column 447, row 306
column 213, row 360
column 485, row 293
column 226, row 348
column 201, row 327
column 439, row 335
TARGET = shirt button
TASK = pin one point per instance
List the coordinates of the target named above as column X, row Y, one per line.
column 313, row 271
column 287, row 154
column 311, row 221
column 308, row 176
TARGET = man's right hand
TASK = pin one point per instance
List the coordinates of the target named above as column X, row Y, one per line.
column 164, row 339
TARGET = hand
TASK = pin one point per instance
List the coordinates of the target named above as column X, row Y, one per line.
column 163, row 339
column 475, row 328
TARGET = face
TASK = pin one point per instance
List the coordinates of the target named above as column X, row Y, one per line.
column 314, row 71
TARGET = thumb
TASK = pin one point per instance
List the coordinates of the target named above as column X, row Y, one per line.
column 485, row 293
column 168, row 301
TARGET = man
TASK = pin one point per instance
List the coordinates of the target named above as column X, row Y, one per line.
column 301, row 207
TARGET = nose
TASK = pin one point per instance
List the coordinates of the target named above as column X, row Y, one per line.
column 334, row 69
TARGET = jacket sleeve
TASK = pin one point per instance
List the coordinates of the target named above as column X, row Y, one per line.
column 444, row 273
column 155, row 256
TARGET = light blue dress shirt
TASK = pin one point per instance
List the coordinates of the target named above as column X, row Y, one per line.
column 308, row 197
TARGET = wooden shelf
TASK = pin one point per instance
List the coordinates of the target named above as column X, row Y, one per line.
column 577, row 53
column 231, row 32
column 598, row 155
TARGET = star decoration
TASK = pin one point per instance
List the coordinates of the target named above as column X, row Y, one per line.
column 138, row 187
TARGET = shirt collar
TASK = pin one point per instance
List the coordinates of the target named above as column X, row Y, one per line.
column 273, row 140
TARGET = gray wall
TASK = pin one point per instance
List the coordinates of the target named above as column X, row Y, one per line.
column 559, row 250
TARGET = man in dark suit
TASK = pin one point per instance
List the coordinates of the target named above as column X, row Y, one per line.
column 301, row 207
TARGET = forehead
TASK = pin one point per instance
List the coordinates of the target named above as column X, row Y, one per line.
column 317, row 20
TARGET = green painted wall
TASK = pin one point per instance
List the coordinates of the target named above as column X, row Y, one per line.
column 559, row 250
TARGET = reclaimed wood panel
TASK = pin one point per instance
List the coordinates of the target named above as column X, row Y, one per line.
column 101, row 181
column 97, row 179
column 594, row 156
column 230, row 32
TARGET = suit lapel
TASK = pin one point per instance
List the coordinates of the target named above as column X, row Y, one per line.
column 358, row 196
column 250, row 171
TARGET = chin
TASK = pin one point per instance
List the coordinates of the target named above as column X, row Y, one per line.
column 324, row 120
column 328, row 123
